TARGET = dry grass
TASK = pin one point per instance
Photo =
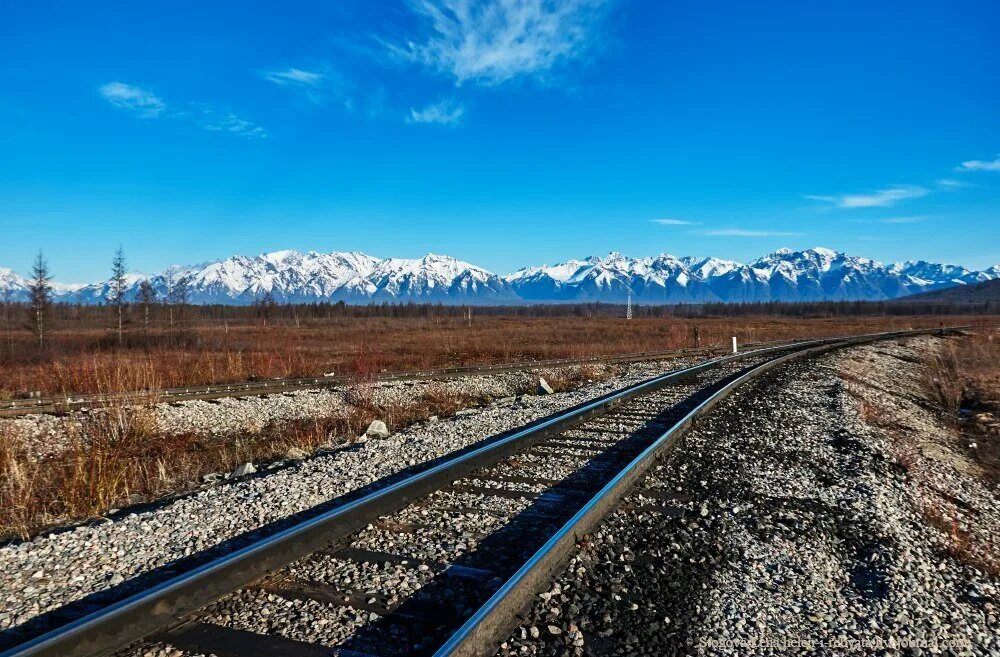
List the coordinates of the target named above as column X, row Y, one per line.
column 962, row 545
column 574, row 377
column 82, row 360
column 964, row 380
column 116, row 458
column 939, row 512
column 962, row 372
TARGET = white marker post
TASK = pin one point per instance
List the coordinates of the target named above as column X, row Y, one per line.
column 734, row 345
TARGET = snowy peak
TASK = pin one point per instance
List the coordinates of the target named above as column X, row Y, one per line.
column 709, row 267
column 437, row 278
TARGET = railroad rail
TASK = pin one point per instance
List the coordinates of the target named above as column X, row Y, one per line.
column 68, row 403
column 534, row 492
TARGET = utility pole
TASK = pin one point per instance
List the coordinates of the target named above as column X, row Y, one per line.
column 628, row 305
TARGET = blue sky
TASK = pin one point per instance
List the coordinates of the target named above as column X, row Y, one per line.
column 508, row 133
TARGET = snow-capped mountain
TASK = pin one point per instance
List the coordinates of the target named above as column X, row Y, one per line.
column 11, row 285
column 15, row 287
column 934, row 275
column 437, row 278
column 811, row 275
column 785, row 275
column 289, row 276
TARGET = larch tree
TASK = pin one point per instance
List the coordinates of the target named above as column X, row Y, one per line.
column 40, row 295
column 119, row 286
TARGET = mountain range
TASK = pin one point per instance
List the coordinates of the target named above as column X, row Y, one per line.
column 290, row 276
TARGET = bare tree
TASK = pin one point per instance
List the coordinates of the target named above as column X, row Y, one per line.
column 8, row 317
column 118, row 288
column 147, row 299
column 177, row 293
column 40, row 292
column 169, row 281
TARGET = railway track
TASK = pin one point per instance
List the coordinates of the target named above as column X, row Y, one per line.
column 438, row 563
column 68, row 403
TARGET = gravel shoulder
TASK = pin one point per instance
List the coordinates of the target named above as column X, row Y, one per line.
column 798, row 518
column 90, row 564
column 233, row 416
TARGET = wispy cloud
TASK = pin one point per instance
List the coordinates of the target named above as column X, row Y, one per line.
column 492, row 42
column 215, row 120
column 981, row 165
column 208, row 117
column 891, row 220
column 951, row 183
column 878, row 199
column 294, row 77
column 740, row 232
column 901, row 220
column 135, row 99
column 673, row 222
column 314, row 85
column 445, row 112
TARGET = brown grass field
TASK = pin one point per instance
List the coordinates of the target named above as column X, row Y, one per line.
column 86, row 360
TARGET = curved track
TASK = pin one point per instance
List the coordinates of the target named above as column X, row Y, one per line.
column 438, row 563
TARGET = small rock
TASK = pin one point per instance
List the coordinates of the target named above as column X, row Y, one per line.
column 244, row 470
column 543, row 387
column 295, row 454
column 555, row 629
column 377, row 429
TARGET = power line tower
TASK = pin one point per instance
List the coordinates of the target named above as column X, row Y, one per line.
column 628, row 305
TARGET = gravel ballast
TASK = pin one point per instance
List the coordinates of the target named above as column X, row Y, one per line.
column 786, row 524
column 129, row 552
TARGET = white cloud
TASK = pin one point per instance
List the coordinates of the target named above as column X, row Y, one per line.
column 951, row 183
column 294, row 77
column 901, row 220
column 739, row 232
column 445, row 112
column 673, row 222
column 314, row 85
column 981, row 165
column 136, row 99
column 224, row 121
column 148, row 105
column 878, row 199
column 491, row 42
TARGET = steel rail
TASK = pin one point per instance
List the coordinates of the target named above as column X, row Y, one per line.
column 499, row 615
column 68, row 403
column 144, row 613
